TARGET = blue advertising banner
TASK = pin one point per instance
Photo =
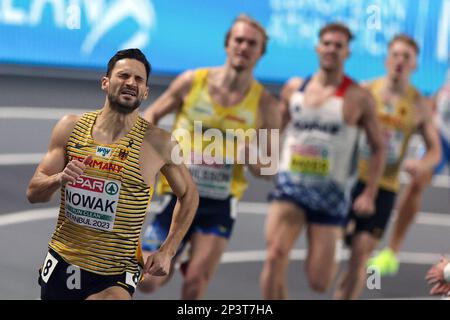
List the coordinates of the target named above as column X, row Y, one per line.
column 182, row 34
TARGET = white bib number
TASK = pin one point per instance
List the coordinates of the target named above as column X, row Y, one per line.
column 92, row 202
column 49, row 265
column 133, row 279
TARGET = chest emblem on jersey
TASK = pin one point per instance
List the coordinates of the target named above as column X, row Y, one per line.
column 104, row 152
column 80, row 146
column 236, row 119
column 402, row 111
column 123, row 154
column 202, row 110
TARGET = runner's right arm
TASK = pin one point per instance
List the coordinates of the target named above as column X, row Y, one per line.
column 52, row 172
column 365, row 202
column 172, row 99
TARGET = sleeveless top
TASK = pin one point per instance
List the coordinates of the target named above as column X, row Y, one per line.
column 211, row 161
column 319, row 147
column 102, row 213
column 398, row 125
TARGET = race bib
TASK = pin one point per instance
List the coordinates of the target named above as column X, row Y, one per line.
column 133, row 279
column 49, row 265
column 393, row 142
column 92, row 202
column 310, row 160
column 213, row 181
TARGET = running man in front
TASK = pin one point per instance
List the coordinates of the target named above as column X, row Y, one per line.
column 105, row 164
column 218, row 99
column 322, row 115
column 402, row 112
column 411, row 197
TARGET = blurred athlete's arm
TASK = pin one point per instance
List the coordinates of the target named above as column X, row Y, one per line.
column 288, row 89
column 429, row 133
column 267, row 137
column 365, row 202
column 52, row 172
column 170, row 100
column 184, row 188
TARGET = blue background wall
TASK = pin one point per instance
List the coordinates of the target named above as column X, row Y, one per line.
column 181, row 34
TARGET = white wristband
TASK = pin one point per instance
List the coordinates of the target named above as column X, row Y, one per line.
column 447, row 272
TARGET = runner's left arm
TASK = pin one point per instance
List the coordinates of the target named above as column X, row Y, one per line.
column 184, row 188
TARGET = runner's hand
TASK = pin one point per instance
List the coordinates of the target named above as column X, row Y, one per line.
column 364, row 205
column 73, row 170
column 414, row 167
column 158, row 264
column 436, row 273
column 440, row 288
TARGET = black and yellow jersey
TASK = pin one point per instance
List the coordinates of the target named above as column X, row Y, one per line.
column 102, row 213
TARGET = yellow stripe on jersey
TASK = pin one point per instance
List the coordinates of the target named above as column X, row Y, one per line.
column 398, row 124
column 101, row 216
column 199, row 106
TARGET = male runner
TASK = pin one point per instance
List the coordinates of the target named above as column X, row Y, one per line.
column 322, row 115
column 402, row 112
column 224, row 98
column 105, row 163
column 410, row 200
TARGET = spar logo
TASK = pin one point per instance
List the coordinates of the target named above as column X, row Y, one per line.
column 112, row 188
column 90, row 184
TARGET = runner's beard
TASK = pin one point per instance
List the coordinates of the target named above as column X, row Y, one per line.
column 122, row 108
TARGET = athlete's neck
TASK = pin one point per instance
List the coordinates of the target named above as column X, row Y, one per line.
column 397, row 86
column 112, row 125
column 330, row 78
column 232, row 79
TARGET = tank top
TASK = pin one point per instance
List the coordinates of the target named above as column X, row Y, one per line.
column 319, row 148
column 398, row 125
column 102, row 213
column 214, row 180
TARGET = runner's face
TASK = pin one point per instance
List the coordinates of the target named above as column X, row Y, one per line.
column 401, row 60
column 244, row 47
column 126, row 87
column 332, row 50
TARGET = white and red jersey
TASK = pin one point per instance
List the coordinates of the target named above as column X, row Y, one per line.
column 319, row 146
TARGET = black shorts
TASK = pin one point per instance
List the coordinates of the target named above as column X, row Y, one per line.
column 376, row 223
column 60, row 280
column 213, row 216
